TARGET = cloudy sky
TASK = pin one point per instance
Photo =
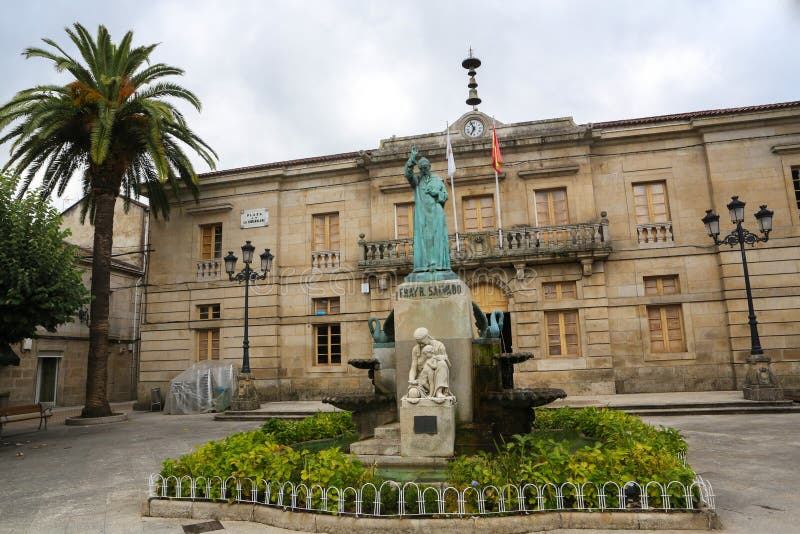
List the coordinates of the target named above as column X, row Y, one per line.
column 290, row 79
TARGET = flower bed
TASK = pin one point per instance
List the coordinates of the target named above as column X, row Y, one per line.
column 617, row 462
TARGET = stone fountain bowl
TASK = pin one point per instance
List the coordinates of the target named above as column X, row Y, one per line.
column 358, row 402
column 371, row 363
column 515, row 357
column 525, row 398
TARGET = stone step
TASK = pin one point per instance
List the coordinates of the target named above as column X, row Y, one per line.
column 391, row 431
column 258, row 416
column 374, row 446
column 716, row 410
column 693, row 405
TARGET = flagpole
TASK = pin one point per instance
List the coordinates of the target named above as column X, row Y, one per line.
column 497, row 192
column 452, row 185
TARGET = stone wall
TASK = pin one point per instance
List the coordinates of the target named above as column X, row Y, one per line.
column 702, row 161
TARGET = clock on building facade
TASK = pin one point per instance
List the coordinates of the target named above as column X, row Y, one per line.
column 474, row 128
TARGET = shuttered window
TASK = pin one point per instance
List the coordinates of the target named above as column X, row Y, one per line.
column 559, row 290
column 650, row 202
column 551, row 207
column 562, row 333
column 666, row 328
column 328, row 344
column 208, row 344
column 665, row 322
column 661, row 285
column 404, row 220
column 326, row 231
column 478, row 213
column 211, row 241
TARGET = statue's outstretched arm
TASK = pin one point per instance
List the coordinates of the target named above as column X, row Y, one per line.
column 410, row 171
column 412, row 160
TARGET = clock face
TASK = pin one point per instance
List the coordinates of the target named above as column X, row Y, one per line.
column 473, row 128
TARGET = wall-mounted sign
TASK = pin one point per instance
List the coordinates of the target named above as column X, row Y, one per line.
column 255, row 218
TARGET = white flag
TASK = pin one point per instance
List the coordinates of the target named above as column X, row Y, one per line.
column 451, row 171
column 451, row 163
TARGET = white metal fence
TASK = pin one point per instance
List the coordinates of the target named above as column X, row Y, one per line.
column 411, row 499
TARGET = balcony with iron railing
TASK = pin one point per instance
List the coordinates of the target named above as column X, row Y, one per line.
column 528, row 244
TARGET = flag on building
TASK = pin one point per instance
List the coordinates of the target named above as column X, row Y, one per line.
column 451, row 162
column 497, row 157
column 451, row 172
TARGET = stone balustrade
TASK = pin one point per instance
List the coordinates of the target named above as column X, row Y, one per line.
column 654, row 233
column 208, row 270
column 325, row 260
column 528, row 243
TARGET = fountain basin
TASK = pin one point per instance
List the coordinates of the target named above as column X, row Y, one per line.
column 369, row 410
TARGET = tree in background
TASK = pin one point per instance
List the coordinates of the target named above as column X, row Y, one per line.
column 39, row 282
column 114, row 126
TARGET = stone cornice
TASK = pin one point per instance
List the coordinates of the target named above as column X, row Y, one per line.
column 464, row 176
column 547, row 172
column 203, row 209
column 786, row 149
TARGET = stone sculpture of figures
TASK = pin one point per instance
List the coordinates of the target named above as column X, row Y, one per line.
column 429, row 376
column 431, row 244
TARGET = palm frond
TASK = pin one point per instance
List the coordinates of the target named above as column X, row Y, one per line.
column 114, row 125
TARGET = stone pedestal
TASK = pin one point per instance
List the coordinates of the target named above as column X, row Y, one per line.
column 427, row 427
column 246, row 398
column 761, row 384
column 444, row 307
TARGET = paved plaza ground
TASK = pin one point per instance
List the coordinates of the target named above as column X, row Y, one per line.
column 94, row 479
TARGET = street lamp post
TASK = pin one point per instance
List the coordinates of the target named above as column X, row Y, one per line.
column 760, row 382
column 246, row 394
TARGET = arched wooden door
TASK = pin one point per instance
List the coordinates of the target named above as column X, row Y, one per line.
column 489, row 297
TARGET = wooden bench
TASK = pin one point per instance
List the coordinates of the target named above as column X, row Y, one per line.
column 24, row 413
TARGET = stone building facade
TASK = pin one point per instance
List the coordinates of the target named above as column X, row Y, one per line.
column 602, row 267
column 52, row 367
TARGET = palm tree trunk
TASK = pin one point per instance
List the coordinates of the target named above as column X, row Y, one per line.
column 97, row 366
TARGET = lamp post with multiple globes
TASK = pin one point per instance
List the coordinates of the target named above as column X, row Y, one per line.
column 760, row 382
column 246, row 395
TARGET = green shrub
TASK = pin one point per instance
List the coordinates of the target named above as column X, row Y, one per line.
column 319, row 426
column 567, row 445
column 266, row 454
column 612, row 427
column 621, row 448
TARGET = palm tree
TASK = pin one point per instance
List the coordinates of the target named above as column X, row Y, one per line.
column 113, row 126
